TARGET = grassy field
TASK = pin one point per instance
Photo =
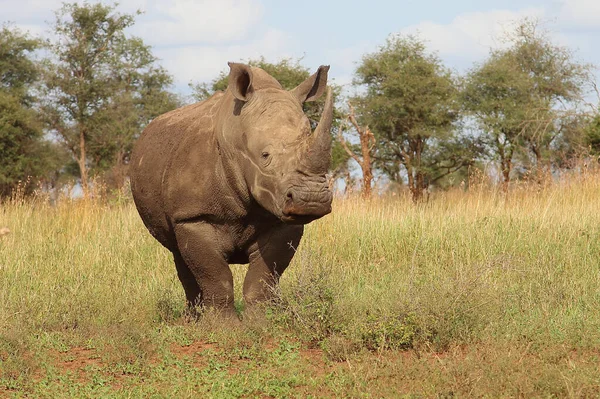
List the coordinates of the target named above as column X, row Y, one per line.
column 472, row 294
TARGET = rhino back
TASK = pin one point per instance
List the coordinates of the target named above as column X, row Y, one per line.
column 153, row 156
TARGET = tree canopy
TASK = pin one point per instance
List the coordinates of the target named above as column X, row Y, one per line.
column 410, row 103
column 523, row 98
column 24, row 153
column 101, row 88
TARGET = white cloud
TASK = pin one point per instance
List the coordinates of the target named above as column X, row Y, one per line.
column 184, row 22
column 470, row 35
column 27, row 9
column 580, row 13
column 29, row 15
column 164, row 22
column 349, row 55
column 194, row 38
column 36, row 16
column 202, row 63
column 345, row 60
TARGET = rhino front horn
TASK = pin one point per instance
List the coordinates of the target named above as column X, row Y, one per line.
column 319, row 150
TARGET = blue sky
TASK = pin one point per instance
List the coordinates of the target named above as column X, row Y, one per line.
column 196, row 38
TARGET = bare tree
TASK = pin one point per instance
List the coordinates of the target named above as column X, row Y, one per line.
column 367, row 143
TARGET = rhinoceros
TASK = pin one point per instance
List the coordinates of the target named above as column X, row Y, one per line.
column 233, row 180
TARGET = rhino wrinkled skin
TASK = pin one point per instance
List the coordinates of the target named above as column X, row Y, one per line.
column 233, row 179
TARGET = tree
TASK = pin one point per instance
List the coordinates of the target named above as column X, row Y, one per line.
column 139, row 95
column 23, row 152
column 525, row 97
column 573, row 143
column 556, row 85
column 409, row 102
column 495, row 94
column 592, row 136
column 100, row 87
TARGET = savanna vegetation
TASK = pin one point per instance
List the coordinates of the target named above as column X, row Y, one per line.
column 475, row 293
column 468, row 267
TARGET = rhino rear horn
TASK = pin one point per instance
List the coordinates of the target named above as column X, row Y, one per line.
column 313, row 87
column 240, row 80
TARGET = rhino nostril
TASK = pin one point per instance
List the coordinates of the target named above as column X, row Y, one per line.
column 290, row 195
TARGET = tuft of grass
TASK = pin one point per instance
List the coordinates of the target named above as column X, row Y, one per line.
column 307, row 305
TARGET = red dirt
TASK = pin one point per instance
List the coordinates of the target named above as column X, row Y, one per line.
column 76, row 359
column 192, row 349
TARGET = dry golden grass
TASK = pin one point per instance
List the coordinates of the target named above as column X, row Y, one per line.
column 480, row 268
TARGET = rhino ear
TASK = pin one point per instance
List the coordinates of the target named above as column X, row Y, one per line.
column 312, row 88
column 240, row 81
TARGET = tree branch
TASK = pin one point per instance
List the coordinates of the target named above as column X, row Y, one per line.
column 345, row 145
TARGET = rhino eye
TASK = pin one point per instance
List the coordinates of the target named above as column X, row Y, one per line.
column 266, row 158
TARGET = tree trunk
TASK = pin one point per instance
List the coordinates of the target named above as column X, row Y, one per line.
column 367, row 142
column 506, row 166
column 82, row 164
column 411, row 178
column 347, row 182
column 366, row 186
column 540, row 166
column 416, row 185
column 419, row 186
column 416, row 177
column 505, row 154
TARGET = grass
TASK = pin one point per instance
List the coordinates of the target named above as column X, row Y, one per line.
column 476, row 293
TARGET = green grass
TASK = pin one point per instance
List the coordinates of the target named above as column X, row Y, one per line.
column 474, row 293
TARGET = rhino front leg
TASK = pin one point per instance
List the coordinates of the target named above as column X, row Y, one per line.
column 274, row 252
column 193, row 294
column 200, row 250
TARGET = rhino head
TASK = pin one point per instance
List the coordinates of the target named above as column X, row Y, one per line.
column 282, row 162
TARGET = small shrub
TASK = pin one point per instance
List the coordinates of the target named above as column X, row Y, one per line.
column 307, row 305
column 380, row 333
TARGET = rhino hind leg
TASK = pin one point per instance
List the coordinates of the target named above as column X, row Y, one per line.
column 203, row 260
column 193, row 293
column 274, row 254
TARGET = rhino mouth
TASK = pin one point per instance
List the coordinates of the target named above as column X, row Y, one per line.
column 295, row 216
column 298, row 209
column 298, row 219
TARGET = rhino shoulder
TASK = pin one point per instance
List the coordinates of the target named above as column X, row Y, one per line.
column 194, row 184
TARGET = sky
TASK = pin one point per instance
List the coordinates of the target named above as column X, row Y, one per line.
column 194, row 39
